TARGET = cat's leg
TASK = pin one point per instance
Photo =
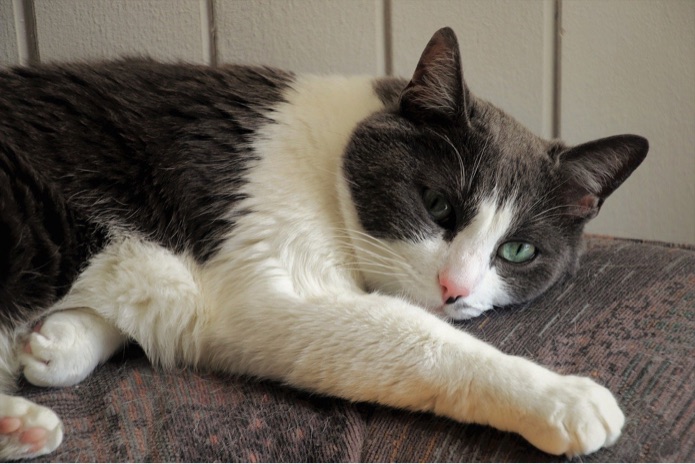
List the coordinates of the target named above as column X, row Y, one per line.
column 27, row 429
column 65, row 348
column 380, row 349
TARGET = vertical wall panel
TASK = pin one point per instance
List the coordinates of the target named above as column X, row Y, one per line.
column 78, row 29
column 629, row 66
column 302, row 35
column 502, row 47
column 9, row 54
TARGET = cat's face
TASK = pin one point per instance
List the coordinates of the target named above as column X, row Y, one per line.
column 469, row 213
column 461, row 208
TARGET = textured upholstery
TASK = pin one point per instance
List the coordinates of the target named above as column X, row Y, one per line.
column 627, row 320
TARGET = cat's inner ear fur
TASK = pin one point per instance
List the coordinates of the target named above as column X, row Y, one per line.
column 593, row 170
column 437, row 90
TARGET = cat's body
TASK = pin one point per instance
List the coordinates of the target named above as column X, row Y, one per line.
column 313, row 230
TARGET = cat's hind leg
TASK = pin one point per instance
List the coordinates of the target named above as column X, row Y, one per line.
column 27, row 430
column 65, row 348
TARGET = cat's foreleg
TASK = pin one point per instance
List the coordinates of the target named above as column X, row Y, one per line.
column 146, row 293
column 27, row 429
column 66, row 347
column 380, row 349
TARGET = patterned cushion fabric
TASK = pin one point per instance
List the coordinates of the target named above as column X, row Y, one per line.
column 627, row 319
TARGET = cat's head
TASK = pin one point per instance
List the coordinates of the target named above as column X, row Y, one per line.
column 460, row 208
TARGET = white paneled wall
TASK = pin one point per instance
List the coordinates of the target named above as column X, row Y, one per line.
column 68, row 29
column 314, row 36
column 9, row 52
column 629, row 66
column 502, row 49
column 607, row 66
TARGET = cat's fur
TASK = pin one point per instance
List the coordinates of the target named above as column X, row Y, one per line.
column 249, row 220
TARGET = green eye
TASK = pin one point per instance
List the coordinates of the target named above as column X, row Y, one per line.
column 438, row 206
column 516, row 252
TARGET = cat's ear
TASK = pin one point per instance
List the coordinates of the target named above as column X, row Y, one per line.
column 437, row 90
column 593, row 170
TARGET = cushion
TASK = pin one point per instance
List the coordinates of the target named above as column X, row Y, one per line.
column 627, row 320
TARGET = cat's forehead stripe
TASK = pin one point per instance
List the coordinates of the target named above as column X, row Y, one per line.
column 494, row 217
column 492, row 222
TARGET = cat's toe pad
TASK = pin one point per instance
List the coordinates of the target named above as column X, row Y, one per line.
column 27, row 429
column 580, row 417
column 56, row 353
column 35, row 437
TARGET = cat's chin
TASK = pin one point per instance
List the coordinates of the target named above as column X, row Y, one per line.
column 458, row 312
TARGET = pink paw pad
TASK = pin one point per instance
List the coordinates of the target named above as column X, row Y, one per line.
column 34, row 437
column 37, row 329
column 9, row 425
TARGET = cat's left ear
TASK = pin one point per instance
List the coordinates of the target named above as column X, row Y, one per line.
column 593, row 170
column 437, row 92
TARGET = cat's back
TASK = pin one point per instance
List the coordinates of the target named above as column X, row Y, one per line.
column 136, row 83
column 157, row 148
column 136, row 105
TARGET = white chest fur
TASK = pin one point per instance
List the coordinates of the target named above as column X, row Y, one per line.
column 295, row 231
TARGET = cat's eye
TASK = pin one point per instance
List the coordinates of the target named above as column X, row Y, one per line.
column 437, row 206
column 516, row 252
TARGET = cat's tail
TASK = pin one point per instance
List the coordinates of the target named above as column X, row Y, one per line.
column 43, row 243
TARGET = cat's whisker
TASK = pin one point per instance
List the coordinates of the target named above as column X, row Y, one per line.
column 381, row 258
column 459, row 158
column 373, row 264
column 402, row 263
column 358, row 235
column 396, row 268
column 548, row 193
column 478, row 161
column 350, row 249
column 543, row 197
column 395, row 259
column 364, row 270
column 543, row 214
column 394, row 289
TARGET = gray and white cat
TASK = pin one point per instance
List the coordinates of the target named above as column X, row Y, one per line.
column 319, row 231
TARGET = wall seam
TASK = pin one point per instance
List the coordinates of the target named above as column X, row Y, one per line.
column 557, row 71
column 387, row 37
column 208, row 31
column 25, row 29
column 549, row 71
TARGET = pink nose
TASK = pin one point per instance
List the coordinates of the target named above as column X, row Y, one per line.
column 451, row 291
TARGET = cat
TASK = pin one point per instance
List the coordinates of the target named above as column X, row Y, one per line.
column 321, row 231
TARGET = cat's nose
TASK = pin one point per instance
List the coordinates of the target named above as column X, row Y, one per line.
column 451, row 291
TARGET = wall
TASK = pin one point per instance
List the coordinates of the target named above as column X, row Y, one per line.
column 578, row 69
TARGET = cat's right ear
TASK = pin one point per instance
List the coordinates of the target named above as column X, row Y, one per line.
column 437, row 92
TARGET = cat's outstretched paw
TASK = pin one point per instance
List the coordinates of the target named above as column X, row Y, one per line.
column 27, row 430
column 578, row 416
column 64, row 349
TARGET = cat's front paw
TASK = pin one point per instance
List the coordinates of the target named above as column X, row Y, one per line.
column 577, row 416
column 27, row 430
column 59, row 352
